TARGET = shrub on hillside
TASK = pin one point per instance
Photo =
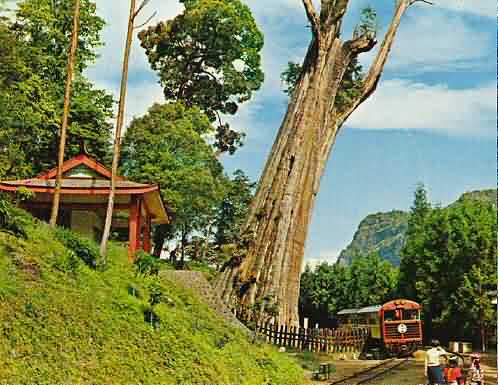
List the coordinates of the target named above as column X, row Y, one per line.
column 11, row 221
column 84, row 248
column 147, row 264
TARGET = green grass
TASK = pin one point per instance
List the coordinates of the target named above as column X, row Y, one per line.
column 63, row 322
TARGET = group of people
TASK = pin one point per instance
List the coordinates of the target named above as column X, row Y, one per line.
column 452, row 374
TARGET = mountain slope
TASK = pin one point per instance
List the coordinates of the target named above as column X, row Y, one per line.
column 384, row 233
column 381, row 233
column 64, row 322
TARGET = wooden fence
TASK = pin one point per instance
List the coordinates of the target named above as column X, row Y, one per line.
column 340, row 340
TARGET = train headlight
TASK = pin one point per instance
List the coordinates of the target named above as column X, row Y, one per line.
column 402, row 328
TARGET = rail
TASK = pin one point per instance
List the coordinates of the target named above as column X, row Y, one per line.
column 366, row 376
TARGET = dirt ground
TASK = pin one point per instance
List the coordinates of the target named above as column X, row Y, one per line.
column 411, row 373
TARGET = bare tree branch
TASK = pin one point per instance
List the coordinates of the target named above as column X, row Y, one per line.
column 375, row 71
column 423, row 1
column 147, row 21
column 363, row 43
column 140, row 8
column 312, row 16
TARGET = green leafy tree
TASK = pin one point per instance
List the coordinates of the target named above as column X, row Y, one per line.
column 233, row 208
column 167, row 146
column 451, row 267
column 35, row 46
column 324, row 292
column 369, row 24
column 373, row 281
column 209, row 57
column 410, row 253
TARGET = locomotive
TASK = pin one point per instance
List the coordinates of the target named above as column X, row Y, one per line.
column 395, row 327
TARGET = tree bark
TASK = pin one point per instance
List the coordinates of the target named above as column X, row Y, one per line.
column 65, row 115
column 119, row 127
column 280, row 214
column 158, row 247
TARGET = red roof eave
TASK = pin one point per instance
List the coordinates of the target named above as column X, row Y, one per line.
column 81, row 191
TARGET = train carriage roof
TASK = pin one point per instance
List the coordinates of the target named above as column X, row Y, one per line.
column 348, row 311
column 400, row 303
column 391, row 305
column 363, row 310
column 370, row 309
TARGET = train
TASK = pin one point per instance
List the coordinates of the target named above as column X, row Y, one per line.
column 395, row 327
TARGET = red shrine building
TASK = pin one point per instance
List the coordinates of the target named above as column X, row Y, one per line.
column 83, row 203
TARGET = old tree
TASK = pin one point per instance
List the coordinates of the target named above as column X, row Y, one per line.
column 265, row 279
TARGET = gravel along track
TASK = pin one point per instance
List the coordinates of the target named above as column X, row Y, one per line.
column 374, row 374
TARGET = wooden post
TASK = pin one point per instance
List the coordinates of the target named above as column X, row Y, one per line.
column 133, row 227
column 147, row 225
column 139, row 225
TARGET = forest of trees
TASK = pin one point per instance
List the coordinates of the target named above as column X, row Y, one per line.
column 448, row 265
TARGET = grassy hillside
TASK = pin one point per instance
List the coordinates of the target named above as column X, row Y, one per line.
column 62, row 321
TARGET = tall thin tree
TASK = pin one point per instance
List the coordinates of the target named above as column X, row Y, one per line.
column 119, row 124
column 65, row 115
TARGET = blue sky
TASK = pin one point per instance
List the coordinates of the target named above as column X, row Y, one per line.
column 432, row 119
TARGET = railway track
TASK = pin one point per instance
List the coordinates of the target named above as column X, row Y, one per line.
column 366, row 376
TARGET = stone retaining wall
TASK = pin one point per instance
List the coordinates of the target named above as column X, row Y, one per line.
column 196, row 281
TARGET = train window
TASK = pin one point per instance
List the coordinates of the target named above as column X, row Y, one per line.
column 389, row 315
column 411, row 314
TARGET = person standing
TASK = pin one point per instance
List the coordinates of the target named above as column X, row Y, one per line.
column 453, row 374
column 433, row 369
column 475, row 374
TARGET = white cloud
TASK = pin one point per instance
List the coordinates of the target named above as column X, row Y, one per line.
column 402, row 104
column 431, row 41
column 478, row 7
column 428, row 41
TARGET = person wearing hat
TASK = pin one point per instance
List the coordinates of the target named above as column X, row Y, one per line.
column 433, row 368
column 453, row 374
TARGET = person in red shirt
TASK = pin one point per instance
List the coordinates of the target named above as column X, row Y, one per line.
column 453, row 374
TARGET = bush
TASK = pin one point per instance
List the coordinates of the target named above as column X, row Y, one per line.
column 147, row 264
column 67, row 262
column 84, row 248
column 9, row 221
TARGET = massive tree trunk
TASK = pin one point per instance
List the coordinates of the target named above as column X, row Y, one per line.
column 278, row 221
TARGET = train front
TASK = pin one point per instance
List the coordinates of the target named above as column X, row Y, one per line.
column 401, row 325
